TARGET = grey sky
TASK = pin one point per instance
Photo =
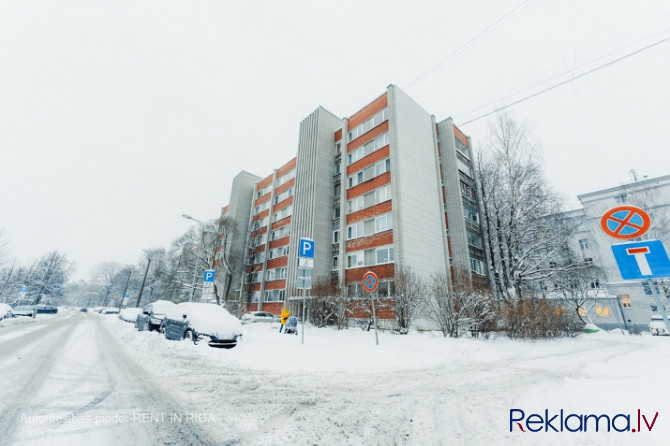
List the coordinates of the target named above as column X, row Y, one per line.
column 118, row 117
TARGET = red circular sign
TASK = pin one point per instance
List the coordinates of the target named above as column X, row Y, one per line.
column 370, row 281
column 625, row 222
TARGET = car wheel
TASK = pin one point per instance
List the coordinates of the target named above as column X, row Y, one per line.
column 161, row 330
column 188, row 335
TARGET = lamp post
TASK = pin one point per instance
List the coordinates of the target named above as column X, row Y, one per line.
column 197, row 258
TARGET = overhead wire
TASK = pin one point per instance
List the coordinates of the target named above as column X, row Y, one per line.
column 600, row 67
column 469, row 43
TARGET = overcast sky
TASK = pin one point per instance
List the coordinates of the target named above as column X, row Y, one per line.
column 116, row 117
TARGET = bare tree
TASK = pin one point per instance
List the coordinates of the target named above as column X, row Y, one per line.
column 408, row 296
column 327, row 304
column 458, row 308
column 578, row 289
column 104, row 275
column 521, row 212
column 4, row 247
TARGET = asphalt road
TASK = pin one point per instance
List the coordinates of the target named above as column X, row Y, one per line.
column 67, row 381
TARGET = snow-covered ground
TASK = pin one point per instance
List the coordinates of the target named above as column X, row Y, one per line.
column 339, row 388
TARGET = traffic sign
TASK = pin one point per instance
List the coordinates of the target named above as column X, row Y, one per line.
column 305, row 262
column 642, row 260
column 304, row 279
column 208, row 275
column 306, row 248
column 370, row 281
column 625, row 222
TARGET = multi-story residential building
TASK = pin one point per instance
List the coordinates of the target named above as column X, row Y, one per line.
column 634, row 304
column 385, row 188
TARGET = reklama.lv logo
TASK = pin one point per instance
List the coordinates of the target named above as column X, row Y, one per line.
column 561, row 422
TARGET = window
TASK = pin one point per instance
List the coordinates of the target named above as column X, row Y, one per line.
column 581, row 312
column 470, row 213
column 584, row 243
column 281, row 232
column 286, row 177
column 276, row 273
column 336, row 262
column 261, row 223
column 595, row 284
column 263, row 206
column 263, row 191
column 625, row 301
column 260, row 240
column 369, row 124
column 377, row 196
column 647, row 288
column 371, row 226
column 284, row 195
column 385, row 254
column 336, row 236
column 622, row 198
column 588, row 260
column 603, row 310
column 464, row 165
column 369, row 257
column 474, row 239
column 370, row 172
column 279, row 252
column 368, row 148
column 274, row 295
column 383, row 223
column 468, row 191
column 338, row 165
column 355, row 230
column 283, row 213
column 476, row 266
column 336, row 213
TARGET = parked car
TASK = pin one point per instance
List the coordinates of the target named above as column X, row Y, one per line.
column 110, row 310
column 5, row 311
column 657, row 326
column 152, row 315
column 47, row 309
column 84, row 309
column 258, row 316
column 195, row 320
column 24, row 310
column 130, row 314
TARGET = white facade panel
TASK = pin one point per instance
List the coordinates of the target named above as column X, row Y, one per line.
column 419, row 228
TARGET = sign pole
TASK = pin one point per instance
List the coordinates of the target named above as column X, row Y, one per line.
column 302, row 340
column 374, row 317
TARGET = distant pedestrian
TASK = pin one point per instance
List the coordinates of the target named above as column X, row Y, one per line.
column 284, row 316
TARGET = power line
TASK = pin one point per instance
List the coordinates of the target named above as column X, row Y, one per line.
column 566, row 81
column 467, row 44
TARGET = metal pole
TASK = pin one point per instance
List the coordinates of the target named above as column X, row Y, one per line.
column 660, row 306
column 123, row 296
column 302, row 341
column 139, row 298
column 195, row 274
column 374, row 317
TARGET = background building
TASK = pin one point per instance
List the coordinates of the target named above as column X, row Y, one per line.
column 635, row 301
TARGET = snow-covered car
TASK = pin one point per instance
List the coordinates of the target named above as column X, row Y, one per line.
column 195, row 320
column 24, row 310
column 152, row 315
column 47, row 309
column 5, row 311
column 129, row 314
column 657, row 326
column 110, row 310
column 258, row 316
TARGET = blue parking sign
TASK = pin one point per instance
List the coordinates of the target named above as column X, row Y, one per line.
column 208, row 275
column 306, row 248
column 642, row 260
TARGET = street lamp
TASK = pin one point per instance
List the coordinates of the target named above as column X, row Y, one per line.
column 197, row 258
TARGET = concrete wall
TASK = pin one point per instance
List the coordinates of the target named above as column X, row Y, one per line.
column 314, row 192
column 417, row 211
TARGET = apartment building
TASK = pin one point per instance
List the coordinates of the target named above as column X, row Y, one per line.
column 387, row 187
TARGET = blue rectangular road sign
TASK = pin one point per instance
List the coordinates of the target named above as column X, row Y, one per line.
column 306, row 248
column 642, row 260
column 208, row 275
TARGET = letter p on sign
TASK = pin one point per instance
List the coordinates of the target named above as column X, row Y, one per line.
column 306, row 248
